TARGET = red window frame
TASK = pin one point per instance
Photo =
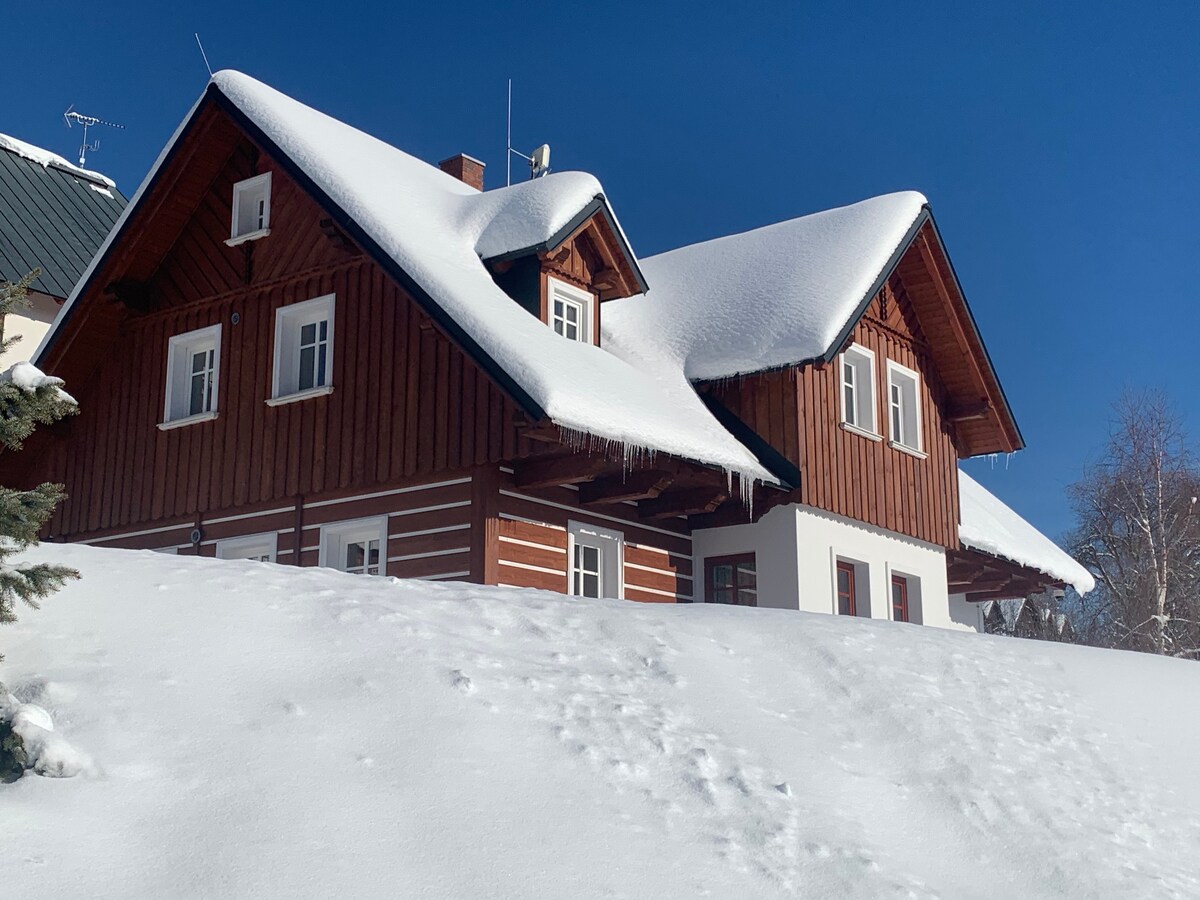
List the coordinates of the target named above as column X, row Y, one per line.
column 899, row 598
column 847, row 605
column 743, row 591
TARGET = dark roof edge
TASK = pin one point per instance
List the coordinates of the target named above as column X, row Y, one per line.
column 120, row 226
column 430, row 306
column 978, row 335
column 876, row 286
column 598, row 204
column 770, row 458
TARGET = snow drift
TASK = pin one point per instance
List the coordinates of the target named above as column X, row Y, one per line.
column 259, row 730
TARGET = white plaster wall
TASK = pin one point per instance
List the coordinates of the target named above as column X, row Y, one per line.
column 31, row 324
column 965, row 616
column 772, row 540
column 796, row 550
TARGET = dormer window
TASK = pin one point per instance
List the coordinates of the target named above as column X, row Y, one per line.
column 858, row 390
column 570, row 311
column 251, row 209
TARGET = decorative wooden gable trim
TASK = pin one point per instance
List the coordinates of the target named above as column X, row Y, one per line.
column 594, row 257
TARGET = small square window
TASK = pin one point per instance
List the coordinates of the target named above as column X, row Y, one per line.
column 904, row 406
column 858, row 388
column 259, row 547
column 358, row 547
column 251, row 209
column 570, row 311
column 731, row 579
column 304, row 348
column 193, row 369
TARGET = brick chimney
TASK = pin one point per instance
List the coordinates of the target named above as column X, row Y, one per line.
column 466, row 169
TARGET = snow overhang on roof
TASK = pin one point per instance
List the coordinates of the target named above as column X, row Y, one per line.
column 990, row 526
column 430, row 231
column 775, row 296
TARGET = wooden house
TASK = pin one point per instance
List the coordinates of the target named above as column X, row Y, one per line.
column 300, row 344
column 53, row 217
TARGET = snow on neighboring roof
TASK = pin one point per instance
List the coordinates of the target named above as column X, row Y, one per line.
column 770, row 297
column 992, row 527
column 46, row 159
column 436, row 229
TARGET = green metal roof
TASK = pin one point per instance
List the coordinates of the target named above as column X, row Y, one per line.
column 51, row 219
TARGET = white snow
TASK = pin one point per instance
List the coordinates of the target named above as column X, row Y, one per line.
column 770, row 297
column 28, row 377
column 49, row 754
column 437, row 228
column 989, row 525
column 266, row 731
column 46, row 158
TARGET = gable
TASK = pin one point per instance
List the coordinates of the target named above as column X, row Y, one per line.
column 425, row 230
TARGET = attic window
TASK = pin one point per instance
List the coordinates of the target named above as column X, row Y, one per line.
column 251, row 209
column 858, row 390
column 570, row 310
column 904, row 408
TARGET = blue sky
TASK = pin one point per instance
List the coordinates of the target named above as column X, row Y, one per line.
column 1058, row 144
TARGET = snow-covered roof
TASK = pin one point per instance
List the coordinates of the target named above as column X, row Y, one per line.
column 437, row 230
column 47, row 159
column 990, row 526
column 771, row 297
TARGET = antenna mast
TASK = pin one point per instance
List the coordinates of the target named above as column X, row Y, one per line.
column 87, row 122
column 539, row 162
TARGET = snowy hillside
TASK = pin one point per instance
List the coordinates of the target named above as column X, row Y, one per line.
column 258, row 730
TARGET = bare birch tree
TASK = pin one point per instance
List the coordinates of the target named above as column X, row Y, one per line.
column 1139, row 533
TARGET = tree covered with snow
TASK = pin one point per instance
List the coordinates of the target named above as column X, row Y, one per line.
column 27, row 399
column 1139, row 534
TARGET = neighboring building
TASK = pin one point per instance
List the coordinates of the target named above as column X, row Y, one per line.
column 300, row 344
column 53, row 216
column 1026, row 618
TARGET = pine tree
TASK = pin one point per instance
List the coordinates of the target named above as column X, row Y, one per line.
column 27, row 399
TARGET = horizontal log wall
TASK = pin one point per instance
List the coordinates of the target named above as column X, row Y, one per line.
column 532, row 547
column 428, row 526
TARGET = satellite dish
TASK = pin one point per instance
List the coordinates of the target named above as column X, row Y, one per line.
column 539, row 162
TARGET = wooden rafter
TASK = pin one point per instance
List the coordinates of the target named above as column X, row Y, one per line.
column 558, row 470
column 689, row 502
column 643, row 485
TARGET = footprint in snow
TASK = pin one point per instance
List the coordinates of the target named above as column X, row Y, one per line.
column 461, row 681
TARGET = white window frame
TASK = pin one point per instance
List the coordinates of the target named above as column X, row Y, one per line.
column 611, row 545
column 250, row 546
column 335, row 536
column 180, row 350
column 568, row 294
column 289, row 320
column 249, row 191
column 908, row 417
column 859, row 357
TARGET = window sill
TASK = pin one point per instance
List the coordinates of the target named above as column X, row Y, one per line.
column 248, row 236
column 301, row 395
column 861, row 432
column 903, row 448
column 186, row 420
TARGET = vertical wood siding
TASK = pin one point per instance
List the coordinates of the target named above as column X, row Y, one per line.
column 798, row 411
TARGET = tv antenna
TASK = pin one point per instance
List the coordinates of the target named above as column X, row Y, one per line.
column 539, row 161
column 87, row 122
